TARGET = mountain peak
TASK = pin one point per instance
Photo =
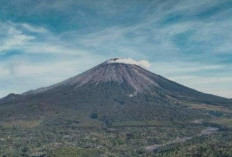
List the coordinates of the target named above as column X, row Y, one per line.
column 122, row 71
column 118, row 70
column 115, row 79
column 121, row 77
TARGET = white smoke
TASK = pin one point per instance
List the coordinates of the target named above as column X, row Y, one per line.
column 142, row 63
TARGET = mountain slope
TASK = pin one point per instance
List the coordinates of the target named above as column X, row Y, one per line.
column 114, row 91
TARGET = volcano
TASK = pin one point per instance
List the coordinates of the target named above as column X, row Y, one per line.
column 115, row 90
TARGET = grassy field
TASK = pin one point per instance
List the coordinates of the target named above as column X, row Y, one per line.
column 222, row 109
column 21, row 124
column 223, row 121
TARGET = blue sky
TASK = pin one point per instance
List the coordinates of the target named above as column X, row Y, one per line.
column 43, row 42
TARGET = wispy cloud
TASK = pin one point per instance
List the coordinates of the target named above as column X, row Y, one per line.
column 33, row 67
column 12, row 38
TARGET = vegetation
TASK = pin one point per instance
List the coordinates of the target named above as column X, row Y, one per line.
column 107, row 131
column 71, row 138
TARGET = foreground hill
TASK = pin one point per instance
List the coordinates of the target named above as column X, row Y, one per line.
column 113, row 94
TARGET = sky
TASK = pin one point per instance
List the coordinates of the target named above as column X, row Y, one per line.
column 43, row 42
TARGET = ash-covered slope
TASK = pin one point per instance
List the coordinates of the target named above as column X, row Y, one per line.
column 131, row 79
column 121, row 73
column 116, row 91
